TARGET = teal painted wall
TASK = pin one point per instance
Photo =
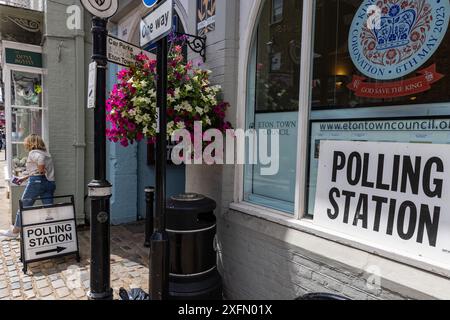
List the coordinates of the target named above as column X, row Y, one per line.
column 129, row 174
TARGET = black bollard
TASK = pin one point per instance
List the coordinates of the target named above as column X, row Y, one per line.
column 149, row 200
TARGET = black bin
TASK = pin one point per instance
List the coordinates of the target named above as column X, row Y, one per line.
column 191, row 225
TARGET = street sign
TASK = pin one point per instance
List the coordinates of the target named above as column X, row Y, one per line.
column 48, row 232
column 92, row 87
column 149, row 3
column 158, row 24
column 101, row 8
column 123, row 53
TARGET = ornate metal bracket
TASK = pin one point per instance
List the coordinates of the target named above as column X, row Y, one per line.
column 196, row 43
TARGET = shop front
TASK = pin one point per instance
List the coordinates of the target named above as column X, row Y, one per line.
column 360, row 87
column 22, row 111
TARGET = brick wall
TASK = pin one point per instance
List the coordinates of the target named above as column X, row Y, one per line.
column 255, row 265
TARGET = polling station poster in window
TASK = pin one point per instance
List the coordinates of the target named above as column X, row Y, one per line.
column 416, row 131
column 389, row 195
column 206, row 16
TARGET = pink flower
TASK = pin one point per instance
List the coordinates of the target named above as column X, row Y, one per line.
column 124, row 142
column 178, row 49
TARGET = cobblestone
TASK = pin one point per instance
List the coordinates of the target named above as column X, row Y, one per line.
column 64, row 278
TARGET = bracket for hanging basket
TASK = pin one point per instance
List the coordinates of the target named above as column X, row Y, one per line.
column 196, row 43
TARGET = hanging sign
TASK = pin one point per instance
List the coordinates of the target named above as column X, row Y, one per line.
column 123, row 53
column 158, row 24
column 101, row 8
column 390, row 195
column 92, row 86
column 48, row 232
column 206, row 16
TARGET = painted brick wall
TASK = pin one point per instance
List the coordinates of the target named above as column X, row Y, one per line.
column 256, row 266
column 61, row 98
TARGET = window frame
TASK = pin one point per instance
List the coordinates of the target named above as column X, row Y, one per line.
column 8, row 70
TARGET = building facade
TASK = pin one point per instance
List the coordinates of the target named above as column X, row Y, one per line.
column 58, row 32
column 360, row 72
column 294, row 66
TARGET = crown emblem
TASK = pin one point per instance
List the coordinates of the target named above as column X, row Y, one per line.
column 395, row 28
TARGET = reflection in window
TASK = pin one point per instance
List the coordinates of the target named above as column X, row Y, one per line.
column 277, row 10
column 26, row 89
column 273, row 101
column 24, row 123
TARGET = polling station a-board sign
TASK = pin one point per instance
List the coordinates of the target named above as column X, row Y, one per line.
column 48, row 232
column 391, row 196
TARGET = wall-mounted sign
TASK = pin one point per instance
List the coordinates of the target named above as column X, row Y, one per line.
column 157, row 24
column 391, row 39
column 206, row 16
column 390, row 195
column 123, row 53
column 23, row 58
column 48, row 232
column 101, row 8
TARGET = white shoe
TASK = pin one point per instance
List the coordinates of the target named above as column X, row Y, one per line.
column 9, row 234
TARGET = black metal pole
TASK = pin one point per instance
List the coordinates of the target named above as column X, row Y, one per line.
column 150, row 202
column 99, row 188
column 160, row 251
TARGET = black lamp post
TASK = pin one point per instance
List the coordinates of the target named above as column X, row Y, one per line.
column 100, row 189
column 159, row 253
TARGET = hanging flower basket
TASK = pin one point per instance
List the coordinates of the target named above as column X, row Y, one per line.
column 131, row 107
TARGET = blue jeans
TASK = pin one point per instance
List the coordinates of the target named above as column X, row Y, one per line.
column 37, row 188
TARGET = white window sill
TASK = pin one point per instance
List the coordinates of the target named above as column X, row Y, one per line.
column 347, row 250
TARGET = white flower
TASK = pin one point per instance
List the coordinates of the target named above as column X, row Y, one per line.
column 177, row 93
column 208, row 120
column 199, row 110
column 188, row 87
column 186, row 106
column 170, row 125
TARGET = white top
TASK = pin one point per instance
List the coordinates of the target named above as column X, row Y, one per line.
column 37, row 158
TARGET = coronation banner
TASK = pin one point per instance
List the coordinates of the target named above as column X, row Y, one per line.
column 392, row 196
column 396, row 89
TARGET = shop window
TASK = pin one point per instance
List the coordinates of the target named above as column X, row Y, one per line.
column 26, row 114
column 273, row 100
column 380, row 73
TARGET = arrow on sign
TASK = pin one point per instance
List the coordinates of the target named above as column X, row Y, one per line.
column 57, row 250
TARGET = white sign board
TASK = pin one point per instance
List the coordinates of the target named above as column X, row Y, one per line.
column 123, row 53
column 48, row 232
column 101, row 8
column 92, row 87
column 157, row 24
column 393, row 196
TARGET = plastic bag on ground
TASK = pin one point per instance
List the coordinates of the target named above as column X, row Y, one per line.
column 133, row 295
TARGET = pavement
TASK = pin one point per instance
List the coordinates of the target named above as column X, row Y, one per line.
column 64, row 278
